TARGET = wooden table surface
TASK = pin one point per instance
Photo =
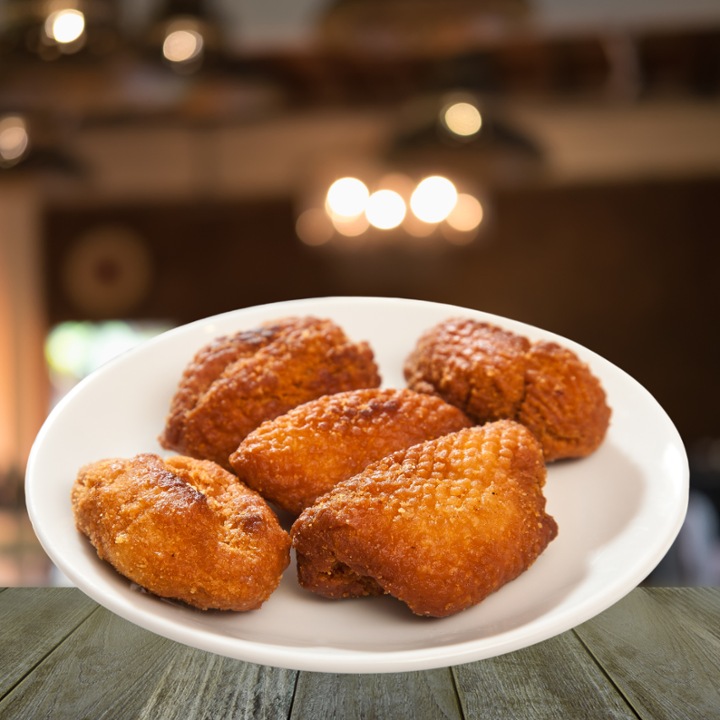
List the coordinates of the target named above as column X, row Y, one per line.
column 653, row 655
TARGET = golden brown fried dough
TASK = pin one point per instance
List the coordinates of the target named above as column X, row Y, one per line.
column 475, row 366
column 564, row 403
column 208, row 365
column 236, row 383
column 297, row 457
column 182, row 528
column 440, row 525
column 491, row 373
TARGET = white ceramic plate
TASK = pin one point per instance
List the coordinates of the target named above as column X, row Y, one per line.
column 618, row 510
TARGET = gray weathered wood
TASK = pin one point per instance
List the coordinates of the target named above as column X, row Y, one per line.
column 656, row 654
column 110, row 668
column 661, row 647
column 395, row 696
column 554, row 679
column 33, row 621
column 197, row 684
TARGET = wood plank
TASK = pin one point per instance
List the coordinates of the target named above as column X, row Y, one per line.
column 33, row 621
column 109, row 668
column 554, row 679
column 63, row 656
column 197, row 684
column 426, row 695
column 661, row 647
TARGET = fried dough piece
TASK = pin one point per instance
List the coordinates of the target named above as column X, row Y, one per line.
column 478, row 367
column 182, row 528
column 440, row 525
column 491, row 373
column 236, row 383
column 297, row 457
column 208, row 365
column 564, row 403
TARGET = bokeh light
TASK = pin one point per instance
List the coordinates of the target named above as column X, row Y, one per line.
column 467, row 213
column 78, row 348
column 463, row 119
column 67, row 348
column 13, row 139
column 350, row 226
column 314, row 227
column 416, row 227
column 75, row 349
column 182, row 45
column 433, row 199
column 65, row 26
column 385, row 209
column 347, row 197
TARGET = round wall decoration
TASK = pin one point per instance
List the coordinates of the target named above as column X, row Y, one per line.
column 107, row 271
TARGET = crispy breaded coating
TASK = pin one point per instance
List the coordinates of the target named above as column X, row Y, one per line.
column 236, row 383
column 182, row 528
column 440, row 525
column 297, row 457
column 564, row 403
column 478, row 367
column 491, row 374
column 208, row 365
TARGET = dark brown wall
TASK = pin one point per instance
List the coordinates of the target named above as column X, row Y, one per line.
column 629, row 271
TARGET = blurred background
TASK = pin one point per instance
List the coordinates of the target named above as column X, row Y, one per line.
column 165, row 161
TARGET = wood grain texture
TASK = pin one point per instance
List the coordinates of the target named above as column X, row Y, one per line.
column 654, row 655
column 110, row 668
column 554, row 679
column 427, row 695
column 197, row 684
column 105, row 669
column 661, row 647
column 33, row 621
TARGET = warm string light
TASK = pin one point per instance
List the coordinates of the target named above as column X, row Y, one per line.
column 14, row 140
column 350, row 209
column 65, row 26
column 347, row 197
column 182, row 45
column 351, row 226
column 462, row 118
column 385, row 209
column 466, row 215
column 433, row 199
column 314, row 227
